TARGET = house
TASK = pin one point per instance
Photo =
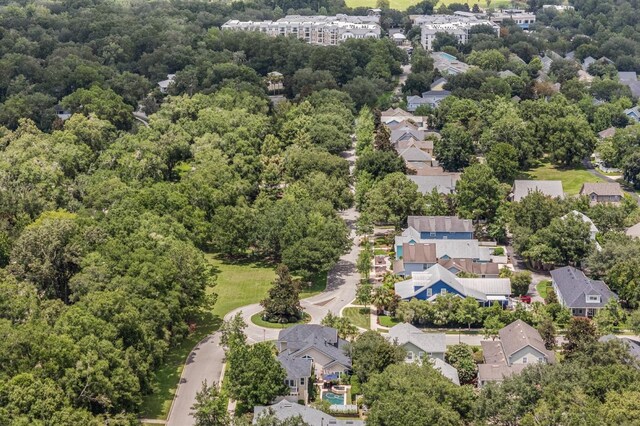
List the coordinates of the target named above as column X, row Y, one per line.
column 421, row 346
column 551, row 188
column 421, row 256
column 284, row 410
column 426, row 145
column 607, row 133
column 315, row 343
column 436, row 281
column 602, row 192
column 506, row 74
column 633, row 346
column 441, row 227
column 633, row 231
column 446, row 249
column 583, row 296
column 415, row 155
column 164, row 84
column 406, row 133
column 546, row 63
column 633, row 114
column 518, row 345
column 431, row 98
column 587, row 62
column 63, row 114
column 444, row 184
column 395, row 112
column 448, row 64
column 630, row 79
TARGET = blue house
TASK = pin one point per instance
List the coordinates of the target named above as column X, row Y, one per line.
column 437, row 280
column 442, row 227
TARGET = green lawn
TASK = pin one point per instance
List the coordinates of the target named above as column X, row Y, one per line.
column 404, row 4
column 238, row 284
column 387, row 321
column 360, row 317
column 572, row 179
column 257, row 320
column 543, row 287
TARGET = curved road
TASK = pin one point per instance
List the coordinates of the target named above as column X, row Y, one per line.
column 206, row 360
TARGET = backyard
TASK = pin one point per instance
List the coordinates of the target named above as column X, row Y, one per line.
column 237, row 284
column 572, row 179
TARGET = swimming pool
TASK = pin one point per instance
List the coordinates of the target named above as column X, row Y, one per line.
column 333, row 398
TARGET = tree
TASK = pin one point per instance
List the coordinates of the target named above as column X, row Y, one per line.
column 520, row 283
column 379, row 164
column 371, row 353
column 503, row 160
column 437, row 204
column 548, row 333
column 232, row 331
column 455, row 147
column 393, row 199
column 283, row 302
column 363, row 294
column 468, row 312
column 478, row 193
column 609, row 317
column 345, row 329
column 105, row 104
column 382, row 298
column 492, row 326
column 382, row 140
column 580, row 333
column 412, row 394
column 255, row 376
column 631, row 169
column 571, row 139
column 210, row 409
column 363, row 264
column 461, row 358
column 565, row 241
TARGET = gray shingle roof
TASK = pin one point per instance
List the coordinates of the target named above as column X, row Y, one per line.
column 497, row 372
column 284, row 410
column 518, row 335
column 447, row 370
column 301, row 338
column 440, row 224
column 419, row 253
column 444, row 184
column 574, row 287
column 627, row 76
column 413, row 154
column 633, row 231
column 601, row 188
column 428, row 342
column 295, row 367
column 522, row 188
column 632, row 345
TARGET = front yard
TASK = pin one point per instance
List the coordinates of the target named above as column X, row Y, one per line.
column 360, row 317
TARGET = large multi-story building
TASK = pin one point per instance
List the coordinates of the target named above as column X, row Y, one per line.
column 323, row 30
column 455, row 25
column 522, row 18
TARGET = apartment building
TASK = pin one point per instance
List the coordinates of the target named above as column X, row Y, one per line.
column 455, row 25
column 322, row 30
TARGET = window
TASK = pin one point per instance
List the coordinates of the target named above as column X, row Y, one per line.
column 443, row 291
column 420, row 355
column 524, row 360
column 429, row 292
column 432, row 234
column 593, row 299
column 409, row 356
column 541, row 360
column 302, row 380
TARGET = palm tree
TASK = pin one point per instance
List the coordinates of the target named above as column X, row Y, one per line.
column 381, row 298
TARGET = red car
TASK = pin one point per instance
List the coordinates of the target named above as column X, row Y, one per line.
column 525, row 299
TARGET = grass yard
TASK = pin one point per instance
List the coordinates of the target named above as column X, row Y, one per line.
column 543, row 287
column 387, row 321
column 238, row 284
column 360, row 317
column 404, row 4
column 572, row 179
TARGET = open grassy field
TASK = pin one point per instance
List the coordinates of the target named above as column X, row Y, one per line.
column 358, row 317
column 572, row 179
column 238, row 284
column 404, row 4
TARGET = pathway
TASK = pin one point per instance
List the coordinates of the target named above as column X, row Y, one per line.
column 206, row 360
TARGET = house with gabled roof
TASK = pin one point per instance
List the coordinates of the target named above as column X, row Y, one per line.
column 441, row 227
column 314, row 346
column 518, row 346
column 583, row 296
column 437, row 281
column 551, row 188
column 602, row 192
column 423, row 347
column 284, row 410
column 444, row 183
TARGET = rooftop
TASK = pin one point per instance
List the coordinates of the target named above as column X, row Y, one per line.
column 522, row 188
column 284, row 410
column 601, row 188
column 440, row 224
column 573, row 286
